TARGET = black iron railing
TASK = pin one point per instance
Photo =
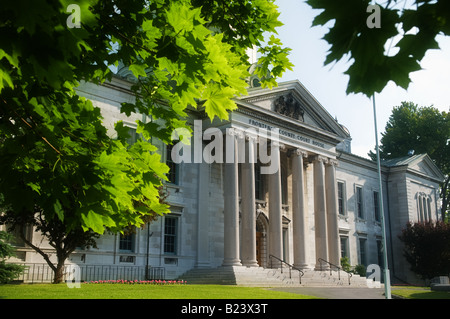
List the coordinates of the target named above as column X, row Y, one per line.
column 39, row 273
column 289, row 266
column 321, row 261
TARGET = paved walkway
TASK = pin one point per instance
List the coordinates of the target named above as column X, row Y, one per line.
column 337, row 293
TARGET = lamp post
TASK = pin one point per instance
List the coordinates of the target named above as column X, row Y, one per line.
column 387, row 280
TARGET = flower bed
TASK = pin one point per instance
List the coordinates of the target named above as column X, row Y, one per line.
column 139, row 282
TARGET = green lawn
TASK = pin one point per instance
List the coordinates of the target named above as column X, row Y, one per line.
column 124, row 291
column 419, row 293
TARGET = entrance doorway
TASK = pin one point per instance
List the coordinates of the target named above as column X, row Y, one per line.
column 259, row 245
column 261, row 239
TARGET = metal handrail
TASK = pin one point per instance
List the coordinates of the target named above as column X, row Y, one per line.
column 41, row 272
column 338, row 268
column 301, row 273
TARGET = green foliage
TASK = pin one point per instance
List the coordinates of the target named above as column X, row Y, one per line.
column 58, row 161
column 424, row 130
column 345, row 264
column 375, row 62
column 180, row 53
column 427, row 248
column 152, row 292
column 8, row 272
column 360, row 270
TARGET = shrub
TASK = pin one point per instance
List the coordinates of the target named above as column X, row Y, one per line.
column 427, row 248
column 8, row 272
column 360, row 270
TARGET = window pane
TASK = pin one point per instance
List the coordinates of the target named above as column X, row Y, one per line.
column 173, row 167
column 359, row 203
column 376, row 206
column 362, row 251
column 126, row 242
column 170, row 235
column 341, row 198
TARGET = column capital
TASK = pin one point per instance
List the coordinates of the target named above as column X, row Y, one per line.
column 240, row 134
column 332, row 161
column 277, row 143
column 319, row 158
column 251, row 137
column 300, row 152
column 232, row 131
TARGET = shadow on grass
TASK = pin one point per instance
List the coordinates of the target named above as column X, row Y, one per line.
column 420, row 294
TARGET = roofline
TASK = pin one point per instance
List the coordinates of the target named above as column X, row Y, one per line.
column 306, row 97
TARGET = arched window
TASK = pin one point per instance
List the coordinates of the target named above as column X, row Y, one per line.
column 424, row 207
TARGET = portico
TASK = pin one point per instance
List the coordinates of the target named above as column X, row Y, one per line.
column 287, row 202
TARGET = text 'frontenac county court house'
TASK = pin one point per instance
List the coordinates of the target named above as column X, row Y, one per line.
column 320, row 202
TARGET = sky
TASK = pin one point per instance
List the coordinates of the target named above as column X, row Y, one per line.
column 328, row 84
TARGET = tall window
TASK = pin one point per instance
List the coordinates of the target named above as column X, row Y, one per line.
column 344, row 246
column 170, row 234
column 424, row 207
column 380, row 254
column 126, row 242
column 173, row 167
column 133, row 136
column 341, row 200
column 284, row 191
column 376, row 206
column 259, row 185
column 359, row 202
column 362, row 251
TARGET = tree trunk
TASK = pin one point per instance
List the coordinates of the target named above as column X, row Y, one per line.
column 445, row 196
column 59, row 272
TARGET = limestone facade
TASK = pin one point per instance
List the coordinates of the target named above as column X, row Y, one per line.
column 321, row 202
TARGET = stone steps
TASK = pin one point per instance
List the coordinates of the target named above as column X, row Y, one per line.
column 265, row 277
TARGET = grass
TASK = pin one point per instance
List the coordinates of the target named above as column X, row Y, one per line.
column 419, row 293
column 124, row 291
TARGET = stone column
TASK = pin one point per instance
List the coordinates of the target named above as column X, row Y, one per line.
column 275, row 205
column 320, row 212
column 203, row 217
column 332, row 212
column 231, row 203
column 248, row 240
column 298, row 209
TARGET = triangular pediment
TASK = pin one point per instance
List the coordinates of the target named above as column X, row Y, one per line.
column 425, row 165
column 292, row 102
column 420, row 164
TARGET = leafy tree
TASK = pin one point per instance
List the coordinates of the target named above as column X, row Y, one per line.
column 8, row 272
column 423, row 130
column 375, row 61
column 427, row 248
column 60, row 170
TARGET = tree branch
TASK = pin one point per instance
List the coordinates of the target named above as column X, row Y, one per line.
column 32, row 128
column 36, row 248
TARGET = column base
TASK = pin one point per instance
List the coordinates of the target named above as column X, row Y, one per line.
column 323, row 267
column 302, row 266
column 231, row 262
column 250, row 263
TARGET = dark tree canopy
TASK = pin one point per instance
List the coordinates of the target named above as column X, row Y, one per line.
column 422, row 130
column 376, row 59
column 60, row 170
column 427, row 248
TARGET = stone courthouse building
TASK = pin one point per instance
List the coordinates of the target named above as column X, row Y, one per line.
column 321, row 201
